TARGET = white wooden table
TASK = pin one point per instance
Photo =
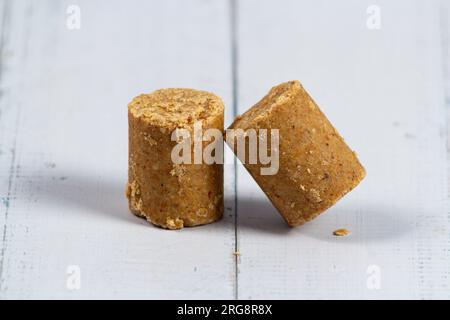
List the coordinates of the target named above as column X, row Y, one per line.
column 65, row 230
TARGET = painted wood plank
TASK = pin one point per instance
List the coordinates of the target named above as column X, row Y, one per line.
column 63, row 141
column 5, row 157
column 445, row 39
column 383, row 91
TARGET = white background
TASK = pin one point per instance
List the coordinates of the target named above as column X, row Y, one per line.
column 63, row 148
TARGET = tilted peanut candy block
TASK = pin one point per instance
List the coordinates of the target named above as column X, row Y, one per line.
column 316, row 167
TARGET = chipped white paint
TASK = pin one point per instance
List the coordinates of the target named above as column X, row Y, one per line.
column 63, row 146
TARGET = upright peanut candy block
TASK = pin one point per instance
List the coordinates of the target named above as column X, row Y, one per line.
column 168, row 194
column 316, row 167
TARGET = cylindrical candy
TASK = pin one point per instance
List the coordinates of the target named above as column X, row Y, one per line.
column 166, row 193
column 316, row 167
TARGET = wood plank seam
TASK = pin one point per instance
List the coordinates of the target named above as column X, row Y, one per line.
column 234, row 75
column 3, row 24
column 2, row 37
column 14, row 168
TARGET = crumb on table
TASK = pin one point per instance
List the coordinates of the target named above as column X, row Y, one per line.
column 341, row 232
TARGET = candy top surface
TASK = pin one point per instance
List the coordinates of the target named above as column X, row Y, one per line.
column 175, row 107
column 278, row 95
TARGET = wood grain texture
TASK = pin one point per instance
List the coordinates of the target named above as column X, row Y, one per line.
column 383, row 91
column 64, row 148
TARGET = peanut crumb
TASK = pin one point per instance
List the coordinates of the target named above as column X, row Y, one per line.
column 139, row 204
column 341, row 232
column 178, row 170
column 133, row 193
column 308, row 170
column 128, row 190
column 202, row 212
column 150, row 140
column 176, row 223
column 292, row 204
column 315, row 195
